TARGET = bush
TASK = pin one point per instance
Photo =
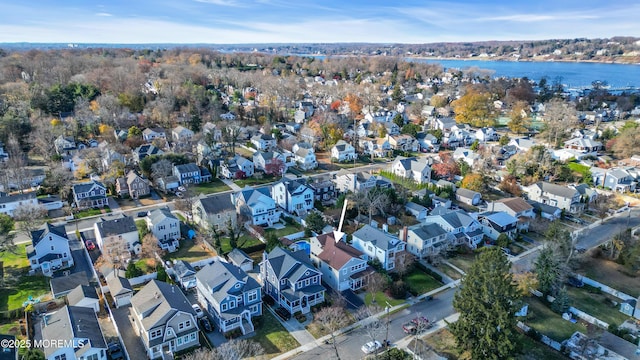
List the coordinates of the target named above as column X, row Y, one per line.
column 398, row 290
column 132, row 271
column 162, row 273
column 534, row 334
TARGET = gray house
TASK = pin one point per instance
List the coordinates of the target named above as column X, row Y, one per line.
column 120, row 288
column 69, row 327
column 240, row 259
column 468, row 197
column 185, row 274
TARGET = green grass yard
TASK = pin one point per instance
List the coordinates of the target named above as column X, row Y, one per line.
column 14, row 293
column 15, row 261
column 273, row 337
column 287, row 230
column 549, row 323
column 91, row 212
column 212, row 187
column 420, row 282
column 189, row 251
column 382, row 299
column 245, row 241
column 597, row 305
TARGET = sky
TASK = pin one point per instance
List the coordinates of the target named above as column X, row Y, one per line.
column 304, row 21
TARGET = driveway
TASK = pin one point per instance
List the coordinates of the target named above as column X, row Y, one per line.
column 132, row 342
column 80, row 259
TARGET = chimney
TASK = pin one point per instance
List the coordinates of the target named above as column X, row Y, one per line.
column 403, row 233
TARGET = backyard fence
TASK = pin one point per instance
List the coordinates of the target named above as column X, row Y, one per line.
column 543, row 338
column 604, row 288
column 588, row 318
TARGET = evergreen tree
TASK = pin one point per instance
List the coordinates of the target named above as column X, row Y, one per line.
column 487, row 303
column 561, row 303
column 548, row 268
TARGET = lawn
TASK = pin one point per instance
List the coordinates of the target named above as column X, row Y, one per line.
column 146, row 265
column 420, row 282
column 273, row 337
column 15, row 261
column 189, row 252
column 463, row 260
column 212, row 187
column 598, row 305
column 287, row 230
column 610, row 274
column 9, row 327
column 253, row 181
column 547, row 322
column 245, row 241
column 13, row 295
column 449, row 271
column 382, row 299
column 91, row 212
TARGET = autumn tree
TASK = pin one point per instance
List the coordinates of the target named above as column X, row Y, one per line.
column 509, row 184
column 355, row 105
column 487, row 302
column 476, row 108
column 559, row 118
column 447, row 168
column 519, row 118
column 526, row 281
column 275, row 167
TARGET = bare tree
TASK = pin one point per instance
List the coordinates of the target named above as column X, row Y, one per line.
column 404, row 264
column 375, row 284
column 150, row 247
column 161, row 168
column 185, row 204
column 29, row 217
column 372, row 326
column 230, row 350
column 332, row 318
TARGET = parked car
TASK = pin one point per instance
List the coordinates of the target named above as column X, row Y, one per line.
column 115, row 351
column 198, row 310
column 205, row 324
column 283, row 313
column 182, row 188
column 89, row 245
column 142, row 213
column 179, row 194
column 371, row 347
column 575, row 282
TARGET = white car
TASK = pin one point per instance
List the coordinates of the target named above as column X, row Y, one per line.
column 182, row 188
column 371, row 347
column 198, row 310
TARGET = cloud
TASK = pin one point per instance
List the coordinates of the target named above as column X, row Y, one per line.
column 538, row 17
column 103, row 14
column 232, row 3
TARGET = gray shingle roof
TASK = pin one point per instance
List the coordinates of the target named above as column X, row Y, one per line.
column 118, row 285
column 85, row 187
column 80, row 292
column 69, row 323
column 377, row 237
column 466, row 193
column 4, row 199
column 158, row 301
column 63, row 285
column 216, row 204
column 287, row 264
column 427, row 231
column 239, row 257
column 183, row 269
column 222, row 277
column 119, row 225
column 158, row 215
column 185, row 168
column 557, row 190
column 38, row 235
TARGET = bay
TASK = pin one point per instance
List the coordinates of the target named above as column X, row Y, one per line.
column 571, row 74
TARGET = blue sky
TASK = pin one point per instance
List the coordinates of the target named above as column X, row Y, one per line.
column 303, row 21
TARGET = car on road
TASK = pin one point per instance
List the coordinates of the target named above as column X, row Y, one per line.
column 205, row 324
column 89, row 245
column 198, row 310
column 371, row 347
column 182, row 188
column 179, row 194
column 142, row 214
column 115, row 351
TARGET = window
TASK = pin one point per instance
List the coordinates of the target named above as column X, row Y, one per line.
column 52, row 248
column 224, row 307
column 92, row 357
column 61, row 357
column 192, row 336
column 184, row 325
column 155, row 333
column 253, row 296
column 179, row 341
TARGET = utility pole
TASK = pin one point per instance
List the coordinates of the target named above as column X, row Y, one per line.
column 386, row 339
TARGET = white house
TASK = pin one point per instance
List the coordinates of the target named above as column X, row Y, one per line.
column 342, row 266
column 181, row 134
column 9, row 203
column 555, row 195
column 362, row 181
column 468, row 197
column 237, row 167
column 115, row 234
column 119, row 287
column 49, row 249
column 380, row 245
column 150, row 134
column 84, row 296
column 343, row 151
column 263, row 142
column 425, row 239
column 258, row 205
column 467, row 155
column 294, row 197
column 73, row 333
column 262, row 160
column 305, row 156
column 165, row 227
column 414, row 169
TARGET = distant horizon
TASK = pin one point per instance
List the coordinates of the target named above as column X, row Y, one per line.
column 231, row 22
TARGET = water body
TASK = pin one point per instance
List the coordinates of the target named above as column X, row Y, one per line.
column 571, row 74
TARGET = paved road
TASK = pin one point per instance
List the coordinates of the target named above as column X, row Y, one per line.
column 349, row 344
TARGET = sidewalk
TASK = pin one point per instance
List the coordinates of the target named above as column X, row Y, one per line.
column 231, row 184
column 295, row 328
column 445, row 279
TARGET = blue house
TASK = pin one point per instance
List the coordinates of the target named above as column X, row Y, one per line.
column 191, row 174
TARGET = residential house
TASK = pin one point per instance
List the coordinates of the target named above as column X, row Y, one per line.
column 516, row 207
column 425, row 239
column 555, row 195
column 90, row 195
column 84, row 296
column 362, row 181
column 118, row 235
column 150, row 134
column 416, row 210
column 168, row 183
column 145, row 150
column 403, row 142
column 467, row 155
column 190, row 174
column 263, row 160
column 240, row 259
column 343, row 267
column 110, row 156
column 495, row 223
column 391, row 128
column 428, row 142
column 463, row 229
column 377, row 147
column 65, row 145
column 293, row 196
column 617, row 179
column 49, row 249
column 343, row 151
column 73, row 333
column 290, row 279
column 444, row 123
column 217, row 211
column 119, row 287
column 236, row 168
column 546, row 211
column 122, row 190
column 257, row 204
column 137, row 186
column 587, row 193
column 307, row 107
column 181, row 134
column 468, row 197
column 211, row 128
column 63, row 285
column 522, row 144
column 305, row 156
column 50, row 202
column 165, row 227
column 324, row 189
column 229, row 116
column 163, row 319
column 185, row 274
column 231, row 296
column 9, row 203
column 264, row 142
column 583, row 145
column 487, row 134
column 380, row 245
column 417, row 170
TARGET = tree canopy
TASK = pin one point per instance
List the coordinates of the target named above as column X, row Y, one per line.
column 476, row 108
